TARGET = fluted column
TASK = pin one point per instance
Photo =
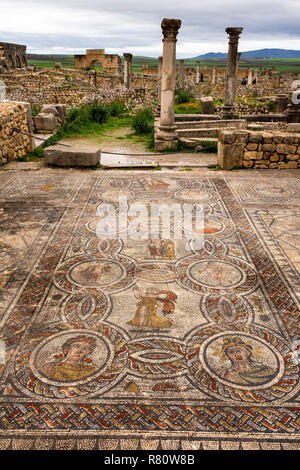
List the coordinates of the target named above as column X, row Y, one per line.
column 231, row 74
column 166, row 136
column 127, row 69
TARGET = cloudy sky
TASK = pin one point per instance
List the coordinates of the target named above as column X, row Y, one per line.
column 71, row 26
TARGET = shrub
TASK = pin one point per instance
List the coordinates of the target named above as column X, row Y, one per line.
column 183, row 96
column 188, row 108
column 142, row 121
column 35, row 110
column 39, row 152
column 98, row 112
column 117, row 108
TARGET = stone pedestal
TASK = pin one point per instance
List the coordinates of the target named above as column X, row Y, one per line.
column 127, row 69
column 166, row 136
column 228, row 111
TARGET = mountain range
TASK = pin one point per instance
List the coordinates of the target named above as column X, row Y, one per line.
column 257, row 54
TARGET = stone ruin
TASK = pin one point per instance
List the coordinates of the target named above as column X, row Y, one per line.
column 12, row 56
column 62, row 88
column 111, row 63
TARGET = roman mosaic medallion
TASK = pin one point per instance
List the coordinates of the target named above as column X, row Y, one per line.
column 253, row 365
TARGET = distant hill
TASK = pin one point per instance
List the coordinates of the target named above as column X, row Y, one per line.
column 258, row 54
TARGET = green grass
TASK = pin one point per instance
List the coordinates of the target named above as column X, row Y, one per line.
column 283, row 65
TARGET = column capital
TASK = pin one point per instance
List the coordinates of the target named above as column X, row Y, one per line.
column 234, row 33
column 170, row 27
column 127, row 56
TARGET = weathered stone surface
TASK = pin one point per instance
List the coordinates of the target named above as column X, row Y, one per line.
column 252, row 146
column 72, row 156
column 293, row 127
column 286, row 148
column 269, row 147
column 230, row 156
column 207, row 105
column 253, row 155
column 46, row 122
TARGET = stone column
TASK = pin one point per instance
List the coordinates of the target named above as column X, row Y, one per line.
column 159, row 79
column 181, row 73
column 231, row 75
column 198, row 72
column 166, row 136
column 275, row 79
column 213, row 76
column 238, row 56
column 250, row 76
column 255, row 75
column 127, row 69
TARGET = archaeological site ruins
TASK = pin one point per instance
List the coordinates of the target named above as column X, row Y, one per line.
column 150, row 248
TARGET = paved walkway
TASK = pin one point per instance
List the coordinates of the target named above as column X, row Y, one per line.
column 155, row 343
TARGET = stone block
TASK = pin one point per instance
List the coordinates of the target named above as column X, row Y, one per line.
column 255, row 138
column 253, row 155
column 241, row 137
column 252, row 146
column 226, row 137
column 292, row 157
column 290, row 139
column 286, row 148
column 207, row 105
column 269, row 147
column 293, row 127
column 230, row 156
column 45, row 122
column 72, row 156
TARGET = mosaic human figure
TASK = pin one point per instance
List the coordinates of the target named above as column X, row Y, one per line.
column 244, row 369
column 162, row 249
column 72, row 363
column 147, row 308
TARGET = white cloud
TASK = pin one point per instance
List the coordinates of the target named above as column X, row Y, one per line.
column 134, row 25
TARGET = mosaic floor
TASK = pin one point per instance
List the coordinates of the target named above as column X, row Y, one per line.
column 149, row 344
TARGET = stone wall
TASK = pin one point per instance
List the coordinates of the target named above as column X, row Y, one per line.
column 250, row 149
column 13, row 145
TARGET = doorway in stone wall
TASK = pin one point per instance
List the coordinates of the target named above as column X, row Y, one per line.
column 97, row 65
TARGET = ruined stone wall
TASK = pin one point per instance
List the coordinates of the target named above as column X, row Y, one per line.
column 12, row 56
column 13, row 145
column 73, row 87
column 249, row 149
column 110, row 62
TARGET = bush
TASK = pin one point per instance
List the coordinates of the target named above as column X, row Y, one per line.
column 142, row 121
column 39, row 152
column 98, row 112
column 35, row 110
column 183, row 96
column 117, row 108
